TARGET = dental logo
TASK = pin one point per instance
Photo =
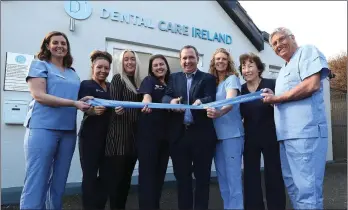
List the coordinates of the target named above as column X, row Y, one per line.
column 160, row 87
column 79, row 10
column 20, row 59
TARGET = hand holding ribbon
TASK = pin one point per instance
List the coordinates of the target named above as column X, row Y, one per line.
column 175, row 105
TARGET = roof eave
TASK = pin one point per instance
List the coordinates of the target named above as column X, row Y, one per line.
column 244, row 22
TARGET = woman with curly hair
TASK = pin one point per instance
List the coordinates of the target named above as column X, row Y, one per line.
column 93, row 132
column 50, row 138
column 229, row 130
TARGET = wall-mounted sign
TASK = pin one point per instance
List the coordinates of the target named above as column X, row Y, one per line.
column 82, row 10
column 16, row 70
column 79, row 10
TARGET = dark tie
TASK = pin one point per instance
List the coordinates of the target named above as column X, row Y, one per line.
column 189, row 75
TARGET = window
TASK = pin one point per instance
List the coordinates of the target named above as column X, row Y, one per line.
column 274, row 68
column 274, row 71
column 144, row 63
column 144, row 53
column 174, row 64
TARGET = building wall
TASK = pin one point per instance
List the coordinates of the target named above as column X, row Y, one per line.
column 24, row 25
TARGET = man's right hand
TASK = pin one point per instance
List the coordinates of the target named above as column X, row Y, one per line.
column 177, row 101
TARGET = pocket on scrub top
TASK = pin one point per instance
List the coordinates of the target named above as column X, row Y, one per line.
column 292, row 78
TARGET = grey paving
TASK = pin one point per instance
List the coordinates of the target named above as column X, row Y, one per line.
column 335, row 193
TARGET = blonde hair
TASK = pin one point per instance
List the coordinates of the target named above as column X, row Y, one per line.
column 231, row 69
column 120, row 69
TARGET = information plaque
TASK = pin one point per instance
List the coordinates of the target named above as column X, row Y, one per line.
column 16, row 70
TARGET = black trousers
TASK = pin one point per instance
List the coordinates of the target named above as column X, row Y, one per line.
column 192, row 153
column 117, row 178
column 275, row 190
column 91, row 151
column 153, row 156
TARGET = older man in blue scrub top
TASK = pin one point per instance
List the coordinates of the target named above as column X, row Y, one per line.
column 300, row 119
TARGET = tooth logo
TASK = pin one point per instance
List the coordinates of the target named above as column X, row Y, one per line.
column 20, row 59
column 79, row 10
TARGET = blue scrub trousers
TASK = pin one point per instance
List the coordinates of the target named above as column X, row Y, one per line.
column 48, row 155
column 228, row 164
column 303, row 167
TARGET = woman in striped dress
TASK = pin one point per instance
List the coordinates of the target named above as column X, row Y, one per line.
column 120, row 148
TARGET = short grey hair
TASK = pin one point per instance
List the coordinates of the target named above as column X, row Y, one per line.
column 281, row 30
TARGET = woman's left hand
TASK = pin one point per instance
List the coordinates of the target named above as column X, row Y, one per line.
column 213, row 113
column 99, row 110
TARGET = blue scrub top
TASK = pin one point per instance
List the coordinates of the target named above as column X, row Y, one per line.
column 229, row 125
column 304, row 118
column 61, row 84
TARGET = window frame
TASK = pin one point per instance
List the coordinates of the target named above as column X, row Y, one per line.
column 137, row 47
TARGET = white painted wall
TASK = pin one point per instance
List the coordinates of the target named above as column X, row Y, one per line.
column 25, row 23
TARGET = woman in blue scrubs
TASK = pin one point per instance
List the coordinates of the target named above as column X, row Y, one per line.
column 152, row 141
column 229, row 130
column 50, row 138
column 260, row 137
column 300, row 119
column 93, row 132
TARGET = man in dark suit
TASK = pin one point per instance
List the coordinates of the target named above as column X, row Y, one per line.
column 192, row 133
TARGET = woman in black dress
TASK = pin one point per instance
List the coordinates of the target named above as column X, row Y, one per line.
column 260, row 137
column 93, row 132
column 152, row 142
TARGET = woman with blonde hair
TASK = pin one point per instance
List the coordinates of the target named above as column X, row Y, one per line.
column 120, row 150
column 229, row 130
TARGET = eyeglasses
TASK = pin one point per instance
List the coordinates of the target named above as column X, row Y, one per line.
column 280, row 40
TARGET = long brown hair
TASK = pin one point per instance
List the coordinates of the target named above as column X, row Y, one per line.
column 45, row 54
column 231, row 70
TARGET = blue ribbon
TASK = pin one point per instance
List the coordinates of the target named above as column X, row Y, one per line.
column 216, row 104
